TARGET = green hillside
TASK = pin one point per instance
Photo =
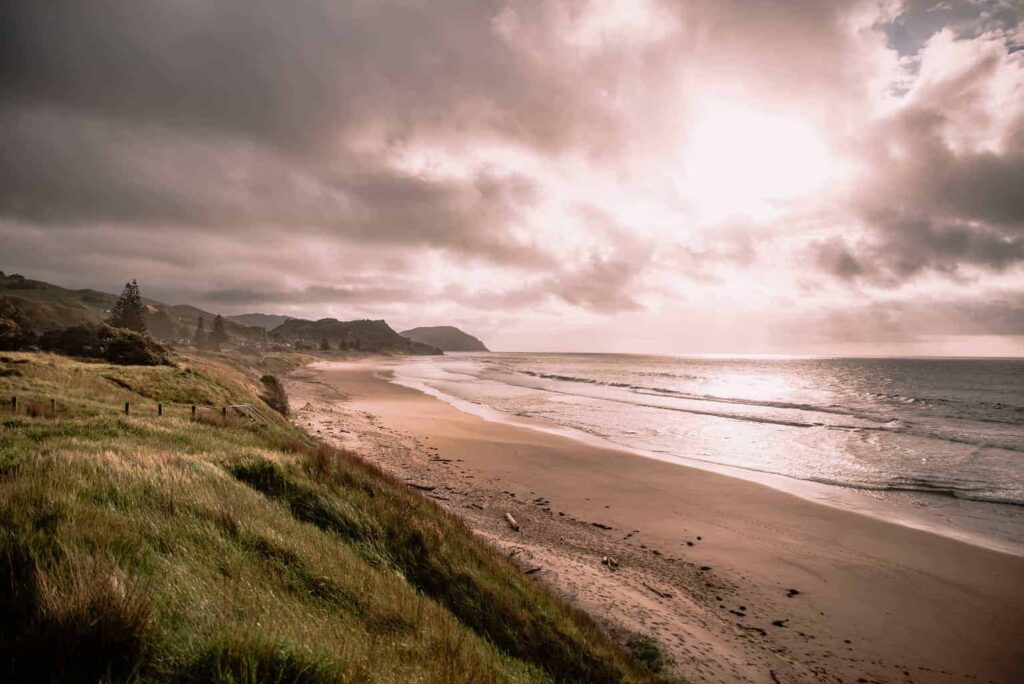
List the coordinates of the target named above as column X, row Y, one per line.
column 48, row 306
column 158, row 548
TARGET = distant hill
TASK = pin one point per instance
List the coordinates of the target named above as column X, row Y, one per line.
column 362, row 335
column 47, row 306
column 445, row 338
column 259, row 320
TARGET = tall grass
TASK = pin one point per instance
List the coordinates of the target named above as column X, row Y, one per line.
column 162, row 549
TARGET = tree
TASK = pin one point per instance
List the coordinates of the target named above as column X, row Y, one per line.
column 199, row 336
column 15, row 330
column 218, row 336
column 129, row 312
column 325, row 344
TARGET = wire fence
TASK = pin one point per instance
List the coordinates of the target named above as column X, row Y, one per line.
column 51, row 408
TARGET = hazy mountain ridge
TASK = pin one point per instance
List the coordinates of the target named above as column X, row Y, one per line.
column 445, row 338
column 47, row 306
column 364, row 335
column 259, row 320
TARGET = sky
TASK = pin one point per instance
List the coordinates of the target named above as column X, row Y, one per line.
column 661, row 176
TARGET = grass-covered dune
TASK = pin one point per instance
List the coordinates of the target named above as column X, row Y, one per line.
column 165, row 549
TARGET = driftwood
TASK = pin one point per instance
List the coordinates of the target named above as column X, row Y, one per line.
column 531, row 571
column 662, row 594
column 425, row 488
column 512, row 522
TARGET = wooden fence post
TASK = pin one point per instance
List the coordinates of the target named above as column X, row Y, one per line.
column 53, row 407
column 193, row 411
column 224, row 413
column 127, row 408
column 14, row 404
column 159, row 409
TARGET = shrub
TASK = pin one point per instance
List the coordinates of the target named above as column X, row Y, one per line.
column 15, row 331
column 274, row 394
column 646, row 651
column 116, row 345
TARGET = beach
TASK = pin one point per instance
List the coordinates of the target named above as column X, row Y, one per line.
column 738, row 581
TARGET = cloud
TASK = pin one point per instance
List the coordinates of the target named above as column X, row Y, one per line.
column 311, row 295
column 941, row 192
column 504, row 157
column 910, row 245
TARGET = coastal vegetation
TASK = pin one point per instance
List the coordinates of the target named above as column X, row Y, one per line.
column 227, row 545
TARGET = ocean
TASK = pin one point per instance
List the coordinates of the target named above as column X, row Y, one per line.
column 936, row 444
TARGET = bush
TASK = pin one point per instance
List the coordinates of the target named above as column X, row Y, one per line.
column 274, row 394
column 116, row 345
column 646, row 651
column 15, row 331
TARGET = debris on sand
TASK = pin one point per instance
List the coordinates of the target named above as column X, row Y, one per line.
column 512, row 522
column 662, row 594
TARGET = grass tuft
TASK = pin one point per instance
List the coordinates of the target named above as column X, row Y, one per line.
column 646, row 651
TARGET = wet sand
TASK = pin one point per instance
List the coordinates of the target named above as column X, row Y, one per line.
column 738, row 581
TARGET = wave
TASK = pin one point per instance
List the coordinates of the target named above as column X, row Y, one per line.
column 914, row 485
column 662, row 391
column 882, row 423
column 924, row 486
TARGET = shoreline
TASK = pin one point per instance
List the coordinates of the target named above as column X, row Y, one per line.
column 861, row 501
column 737, row 580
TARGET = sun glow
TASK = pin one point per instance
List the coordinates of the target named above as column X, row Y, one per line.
column 744, row 161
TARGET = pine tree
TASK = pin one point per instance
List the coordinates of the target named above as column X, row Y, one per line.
column 199, row 336
column 218, row 336
column 129, row 311
column 325, row 344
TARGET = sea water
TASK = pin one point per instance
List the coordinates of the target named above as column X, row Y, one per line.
column 932, row 443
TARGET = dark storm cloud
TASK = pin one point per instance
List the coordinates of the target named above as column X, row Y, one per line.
column 291, row 74
column 238, row 114
column 907, row 246
column 312, row 295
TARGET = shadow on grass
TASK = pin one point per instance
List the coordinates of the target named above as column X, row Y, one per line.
column 69, row 619
column 437, row 555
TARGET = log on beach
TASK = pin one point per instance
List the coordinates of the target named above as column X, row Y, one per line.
column 512, row 522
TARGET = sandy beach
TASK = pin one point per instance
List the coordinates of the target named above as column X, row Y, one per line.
column 738, row 581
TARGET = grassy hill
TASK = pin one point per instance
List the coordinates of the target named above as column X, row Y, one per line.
column 157, row 548
column 48, row 306
column 445, row 338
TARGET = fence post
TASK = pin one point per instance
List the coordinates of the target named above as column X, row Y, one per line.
column 127, row 408
column 53, row 407
column 159, row 409
column 193, row 411
column 224, row 413
column 14, row 404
